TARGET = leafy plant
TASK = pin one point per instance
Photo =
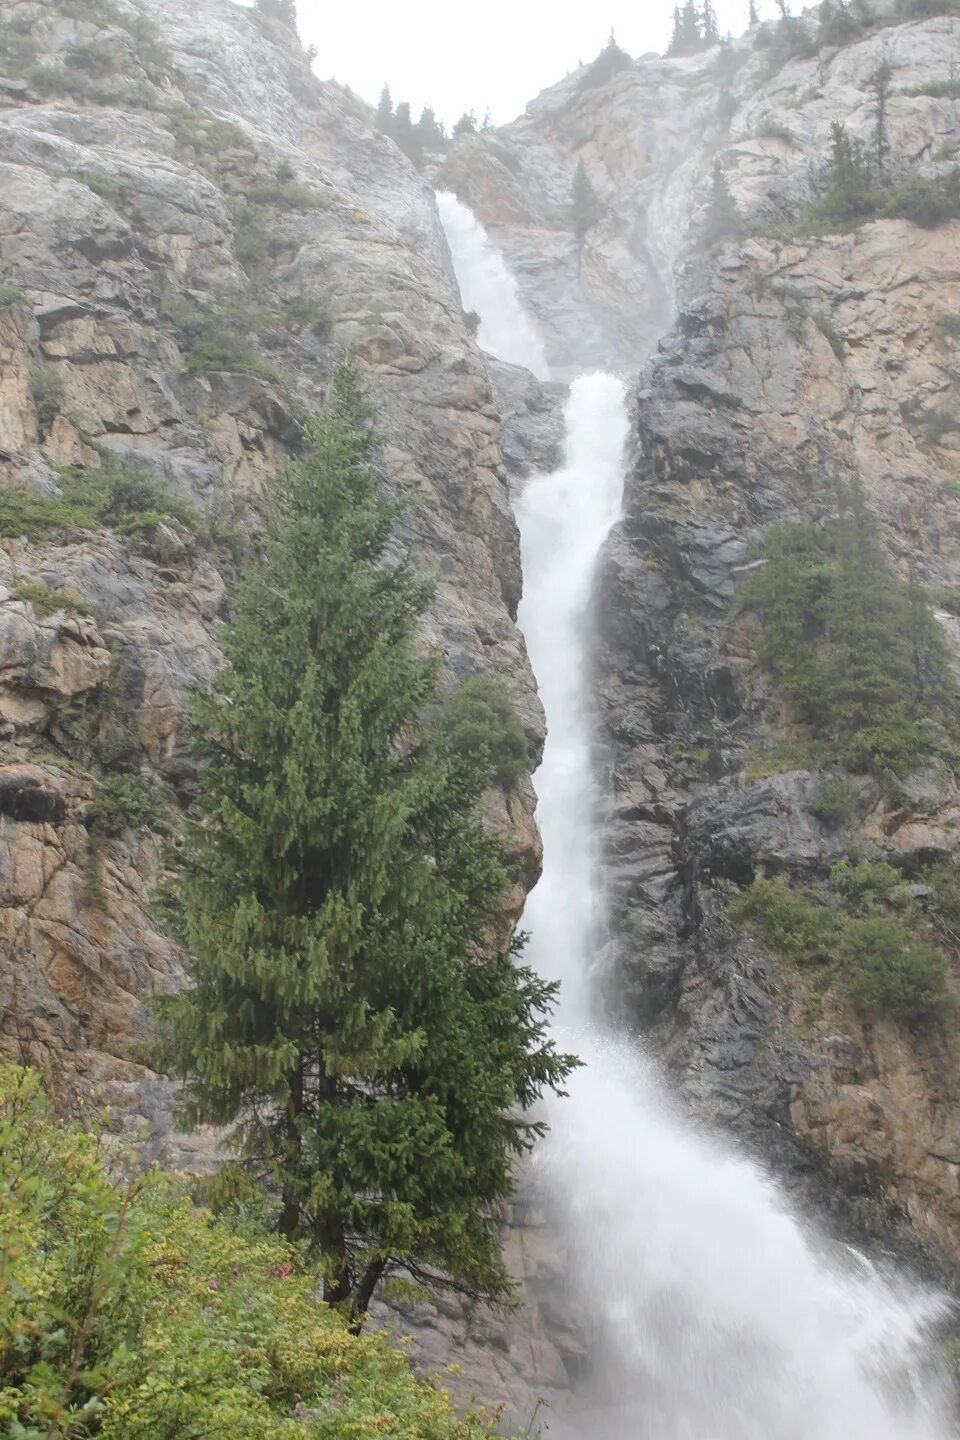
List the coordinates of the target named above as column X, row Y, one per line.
column 126, row 1312
column 478, row 722
column 836, row 801
column 11, row 297
column 870, row 936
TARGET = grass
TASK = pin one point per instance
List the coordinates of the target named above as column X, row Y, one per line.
column 129, row 1312
column 46, row 600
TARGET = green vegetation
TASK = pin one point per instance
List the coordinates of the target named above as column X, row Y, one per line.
column 478, row 721
column 11, row 297
column 854, row 648
column 837, row 800
column 426, row 137
column 205, row 135
column 856, row 190
column 870, row 936
column 124, row 802
column 99, row 183
column 117, row 496
column 693, row 29
column 215, row 338
column 126, row 1312
column 47, row 601
column 337, row 891
column 608, row 63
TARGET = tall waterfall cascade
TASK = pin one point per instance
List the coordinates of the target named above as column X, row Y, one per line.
column 714, row 1314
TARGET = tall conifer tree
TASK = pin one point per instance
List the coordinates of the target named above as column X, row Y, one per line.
column 349, row 1017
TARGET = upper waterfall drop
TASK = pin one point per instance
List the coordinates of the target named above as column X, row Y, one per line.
column 712, row 1313
column 489, row 290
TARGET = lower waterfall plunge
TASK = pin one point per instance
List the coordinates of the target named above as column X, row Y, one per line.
column 712, row 1314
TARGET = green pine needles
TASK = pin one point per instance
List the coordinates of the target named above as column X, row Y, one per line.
column 855, row 649
column 350, row 1017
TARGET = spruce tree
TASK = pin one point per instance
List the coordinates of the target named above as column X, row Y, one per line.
column 385, row 111
column 754, row 18
column 711, row 29
column 676, row 41
column 586, row 207
column 723, row 220
column 466, row 125
column 349, row 1017
column 879, row 83
column 406, row 134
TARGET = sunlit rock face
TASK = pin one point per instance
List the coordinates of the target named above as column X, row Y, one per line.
column 765, row 368
column 124, row 203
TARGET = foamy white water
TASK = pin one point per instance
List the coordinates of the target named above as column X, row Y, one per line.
column 713, row 1314
column 488, row 288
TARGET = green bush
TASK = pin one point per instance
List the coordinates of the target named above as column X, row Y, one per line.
column 47, row 601
column 117, row 495
column 796, row 927
column 11, row 297
column 906, row 981
column 479, row 721
column 99, row 183
column 214, row 340
column 872, row 937
column 836, row 800
column 286, row 195
column 126, row 1313
column 124, row 802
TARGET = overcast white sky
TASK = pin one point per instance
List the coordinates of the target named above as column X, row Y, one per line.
column 480, row 55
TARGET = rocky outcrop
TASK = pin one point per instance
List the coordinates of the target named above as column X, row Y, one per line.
column 192, row 228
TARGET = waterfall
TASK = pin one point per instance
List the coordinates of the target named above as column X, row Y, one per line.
column 489, row 290
column 714, row 1314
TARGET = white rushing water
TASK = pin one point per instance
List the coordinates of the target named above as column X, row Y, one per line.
column 713, row 1314
column 489, row 290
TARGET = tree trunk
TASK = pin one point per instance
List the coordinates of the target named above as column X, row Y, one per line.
column 290, row 1213
column 369, row 1283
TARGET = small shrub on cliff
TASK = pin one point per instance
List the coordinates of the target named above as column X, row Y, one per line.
column 479, row 722
column 127, row 1313
column 123, row 802
column 11, row 297
column 872, row 937
column 115, row 495
column 350, row 1018
column 47, row 601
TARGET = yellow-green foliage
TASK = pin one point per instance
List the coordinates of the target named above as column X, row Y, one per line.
column 128, row 1314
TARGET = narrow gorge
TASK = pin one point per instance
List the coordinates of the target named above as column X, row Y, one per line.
column 681, row 468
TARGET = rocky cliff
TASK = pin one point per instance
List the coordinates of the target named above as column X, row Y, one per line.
column 796, row 355
column 192, row 228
